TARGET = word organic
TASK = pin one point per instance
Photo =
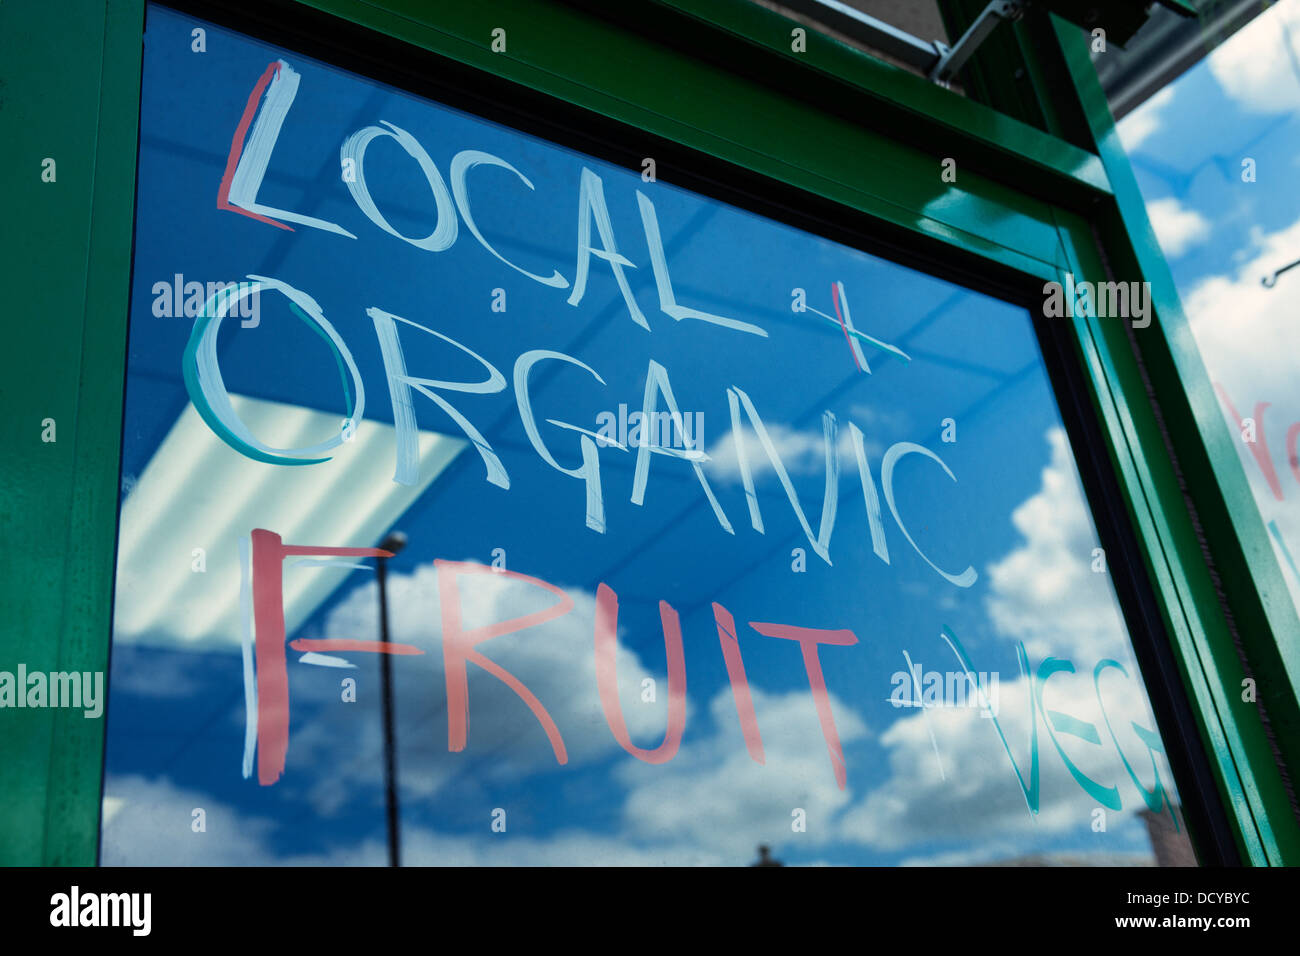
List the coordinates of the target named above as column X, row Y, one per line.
column 269, row 103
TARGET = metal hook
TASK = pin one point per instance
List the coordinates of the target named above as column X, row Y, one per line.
column 1270, row 280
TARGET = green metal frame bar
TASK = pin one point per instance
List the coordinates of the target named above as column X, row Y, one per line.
column 70, row 92
column 1261, row 642
column 1237, row 621
column 829, row 120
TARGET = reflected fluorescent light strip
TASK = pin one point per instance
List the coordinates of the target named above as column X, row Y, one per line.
column 324, row 660
column 198, row 492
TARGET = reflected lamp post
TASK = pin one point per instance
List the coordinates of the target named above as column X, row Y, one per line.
column 394, row 543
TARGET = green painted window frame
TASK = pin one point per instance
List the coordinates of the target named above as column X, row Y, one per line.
column 831, row 122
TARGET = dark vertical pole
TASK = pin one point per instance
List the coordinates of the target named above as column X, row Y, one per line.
column 390, row 752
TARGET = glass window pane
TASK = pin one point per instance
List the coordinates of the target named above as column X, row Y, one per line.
column 1215, row 156
column 719, row 535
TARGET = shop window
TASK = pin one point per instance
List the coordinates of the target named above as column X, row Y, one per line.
column 719, row 534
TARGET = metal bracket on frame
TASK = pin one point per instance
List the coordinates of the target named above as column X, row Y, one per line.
column 952, row 59
column 936, row 60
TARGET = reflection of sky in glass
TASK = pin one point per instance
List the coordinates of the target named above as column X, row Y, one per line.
column 1217, row 154
column 922, row 784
